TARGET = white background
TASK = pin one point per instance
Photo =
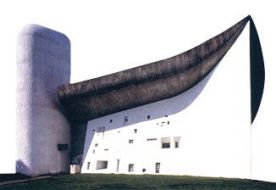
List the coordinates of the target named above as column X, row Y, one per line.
column 108, row 36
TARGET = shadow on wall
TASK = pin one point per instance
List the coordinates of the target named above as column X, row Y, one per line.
column 147, row 112
column 22, row 168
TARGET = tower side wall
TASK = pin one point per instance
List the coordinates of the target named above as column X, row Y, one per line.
column 43, row 63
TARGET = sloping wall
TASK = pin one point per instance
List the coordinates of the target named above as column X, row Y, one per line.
column 214, row 128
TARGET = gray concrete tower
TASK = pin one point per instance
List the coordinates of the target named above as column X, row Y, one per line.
column 43, row 133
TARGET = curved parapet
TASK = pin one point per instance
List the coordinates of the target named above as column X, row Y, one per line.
column 156, row 81
column 43, row 63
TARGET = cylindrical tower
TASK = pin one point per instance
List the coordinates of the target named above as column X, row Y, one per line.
column 43, row 133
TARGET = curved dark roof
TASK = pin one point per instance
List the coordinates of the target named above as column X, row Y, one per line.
column 148, row 83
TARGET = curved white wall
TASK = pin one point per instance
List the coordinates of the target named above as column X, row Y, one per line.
column 43, row 63
column 212, row 121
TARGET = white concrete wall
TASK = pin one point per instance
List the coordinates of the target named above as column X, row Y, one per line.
column 43, row 63
column 212, row 119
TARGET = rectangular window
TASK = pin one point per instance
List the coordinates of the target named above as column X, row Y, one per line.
column 130, row 167
column 152, row 139
column 166, row 145
column 101, row 129
column 101, row 164
column 157, row 167
column 62, row 147
column 88, row 165
column 148, row 116
column 130, row 141
column 165, row 142
column 135, row 130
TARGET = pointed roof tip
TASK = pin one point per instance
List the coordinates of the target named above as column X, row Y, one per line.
column 249, row 18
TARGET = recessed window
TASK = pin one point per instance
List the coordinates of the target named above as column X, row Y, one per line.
column 144, row 170
column 157, row 167
column 88, row 165
column 130, row 141
column 111, row 121
column 148, row 116
column 135, row 130
column 93, row 151
column 101, row 129
column 96, row 145
column 101, row 164
column 62, row 147
column 152, row 139
column 125, row 119
column 166, row 145
column 176, row 142
column 106, row 149
column 166, row 115
column 168, row 122
column 165, row 142
column 130, row 167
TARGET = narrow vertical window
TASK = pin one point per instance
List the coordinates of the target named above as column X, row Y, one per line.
column 125, row 119
column 148, row 116
column 88, row 165
column 176, row 142
column 130, row 167
column 118, row 165
column 157, row 167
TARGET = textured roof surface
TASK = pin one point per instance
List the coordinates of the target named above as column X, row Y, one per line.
column 148, row 83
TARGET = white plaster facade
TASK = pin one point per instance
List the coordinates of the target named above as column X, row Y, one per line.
column 211, row 122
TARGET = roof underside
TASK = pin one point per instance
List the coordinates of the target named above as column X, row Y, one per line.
column 148, row 83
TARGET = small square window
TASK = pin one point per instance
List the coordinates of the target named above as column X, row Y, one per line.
column 130, row 141
column 135, row 130
column 144, row 170
column 96, row 145
column 148, row 116
column 165, row 142
column 62, row 147
column 101, row 164
column 111, row 120
column 125, row 119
